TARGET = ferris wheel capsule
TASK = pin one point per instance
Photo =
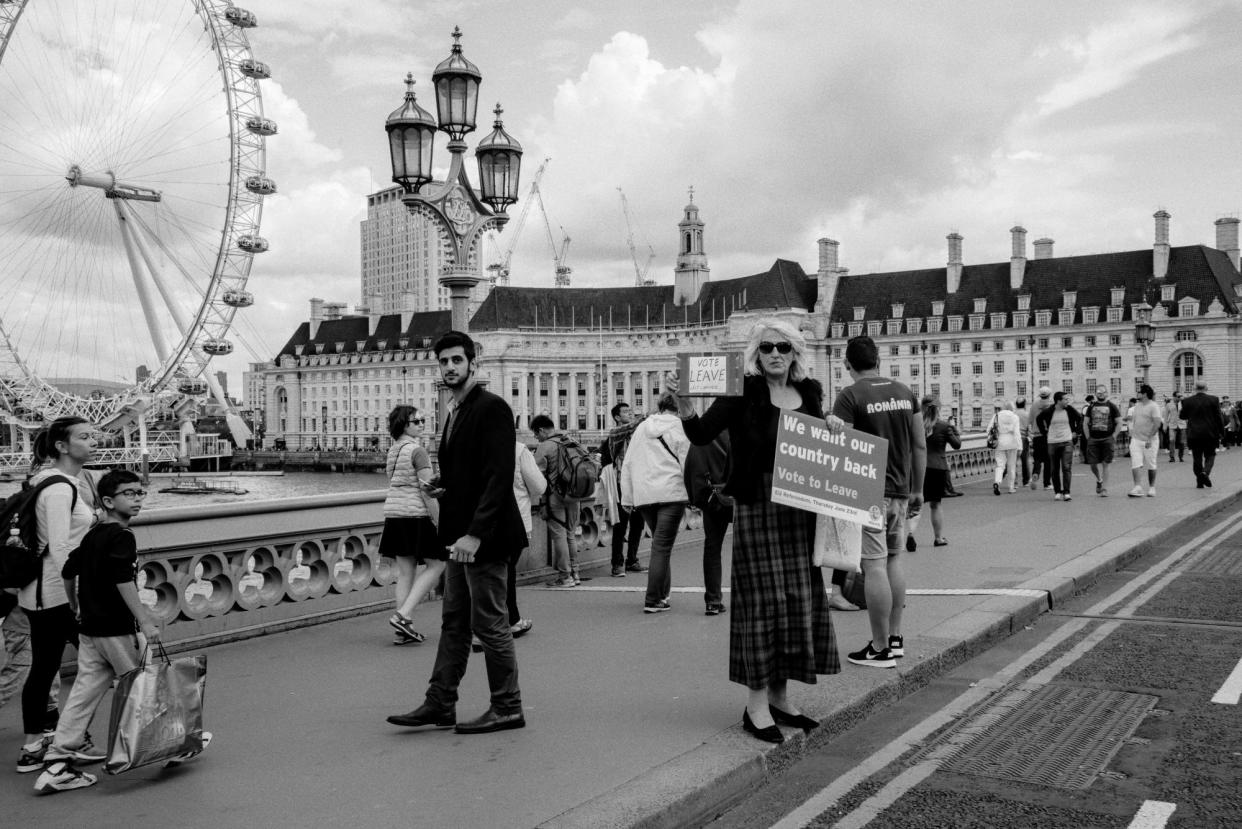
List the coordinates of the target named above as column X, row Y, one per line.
column 216, row 346
column 261, row 185
column 241, row 18
column 261, row 126
column 192, row 387
column 256, row 69
column 252, row 243
column 238, row 299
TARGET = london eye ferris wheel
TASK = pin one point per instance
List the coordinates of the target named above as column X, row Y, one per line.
column 132, row 180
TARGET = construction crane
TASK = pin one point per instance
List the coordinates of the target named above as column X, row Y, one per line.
column 499, row 271
column 563, row 270
column 640, row 271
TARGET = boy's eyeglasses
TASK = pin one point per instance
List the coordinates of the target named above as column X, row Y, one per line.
column 766, row 347
column 132, row 493
column 418, row 420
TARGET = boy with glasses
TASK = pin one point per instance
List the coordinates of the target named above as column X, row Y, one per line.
column 114, row 626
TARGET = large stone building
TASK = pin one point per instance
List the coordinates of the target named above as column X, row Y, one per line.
column 969, row 333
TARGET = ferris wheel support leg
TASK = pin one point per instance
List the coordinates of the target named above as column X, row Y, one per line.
column 140, row 283
column 157, row 275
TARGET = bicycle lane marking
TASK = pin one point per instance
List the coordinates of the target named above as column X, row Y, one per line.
column 908, row 779
column 1154, row 814
column 1231, row 691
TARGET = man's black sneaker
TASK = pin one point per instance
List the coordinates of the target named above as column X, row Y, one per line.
column 714, row 609
column 32, row 759
column 897, row 646
column 1099, row 487
column 872, row 658
column 61, row 776
column 657, row 607
column 635, row 568
column 618, row 572
column 911, row 544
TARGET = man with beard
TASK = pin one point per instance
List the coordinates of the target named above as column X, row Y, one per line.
column 481, row 527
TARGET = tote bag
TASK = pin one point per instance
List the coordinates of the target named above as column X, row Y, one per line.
column 838, row 544
column 157, row 711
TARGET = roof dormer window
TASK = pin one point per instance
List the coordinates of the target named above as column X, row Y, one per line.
column 1118, row 296
column 898, row 308
column 1168, row 293
column 1024, row 302
column 981, row 306
column 1188, row 307
column 1069, row 299
column 860, row 313
column 1043, row 318
column 938, row 308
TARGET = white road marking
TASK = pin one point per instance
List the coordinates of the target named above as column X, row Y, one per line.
column 1231, row 691
column 928, row 591
column 1154, row 814
column 827, row 797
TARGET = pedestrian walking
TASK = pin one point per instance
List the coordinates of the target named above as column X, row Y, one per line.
column 529, row 486
column 707, row 471
column 779, row 625
column 409, row 536
column 561, row 510
column 64, row 514
column 1101, row 423
column 653, row 482
column 627, row 527
column 481, row 529
column 940, row 435
column 1145, row 421
column 1008, row 443
column 101, row 582
column 1176, row 428
column 1205, row 427
column 1060, row 423
column 885, row 408
column 1024, row 453
column 1040, row 469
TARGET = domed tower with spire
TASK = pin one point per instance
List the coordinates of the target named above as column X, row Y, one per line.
column 692, row 271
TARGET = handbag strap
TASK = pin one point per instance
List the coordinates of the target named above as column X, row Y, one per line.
column 666, row 447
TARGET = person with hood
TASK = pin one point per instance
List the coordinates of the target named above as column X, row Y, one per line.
column 1008, row 443
column 652, row 482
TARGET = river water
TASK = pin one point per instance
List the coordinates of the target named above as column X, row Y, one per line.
column 258, row 488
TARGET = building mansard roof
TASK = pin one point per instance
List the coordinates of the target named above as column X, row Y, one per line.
column 1195, row 271
column 342, row 336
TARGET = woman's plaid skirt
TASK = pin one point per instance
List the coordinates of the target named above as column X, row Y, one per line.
column 779, row 624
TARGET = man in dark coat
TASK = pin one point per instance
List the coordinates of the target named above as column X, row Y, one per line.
column 481, row 527
column 1204, row 429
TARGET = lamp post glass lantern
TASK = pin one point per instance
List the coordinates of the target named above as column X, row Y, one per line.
column 1143, row 334
column 461, row 214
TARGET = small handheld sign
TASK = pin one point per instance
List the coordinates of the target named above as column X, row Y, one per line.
column 709, row 374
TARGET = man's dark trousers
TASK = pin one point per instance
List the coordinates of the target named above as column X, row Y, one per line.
column 631, row 527
column 715, row 525
column 1039, row 459
column 474, row 598
column 1203, row 454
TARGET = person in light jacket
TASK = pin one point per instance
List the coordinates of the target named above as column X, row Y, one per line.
column 528, row 487
column 1008, row 442
column 652, row 481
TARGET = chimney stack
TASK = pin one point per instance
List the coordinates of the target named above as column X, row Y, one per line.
column 1043, row 248
column 316, row 315
column 407, row 310
column 374, row 303
column 1017, row 260
column 1160, row 251
column 829, row 275
column 1227, row 238
column 954, row 268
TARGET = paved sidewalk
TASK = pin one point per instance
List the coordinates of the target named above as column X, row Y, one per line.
column 632, row 721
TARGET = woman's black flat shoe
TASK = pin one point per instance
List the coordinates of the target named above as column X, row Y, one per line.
column 771, row 734
column 795, row 720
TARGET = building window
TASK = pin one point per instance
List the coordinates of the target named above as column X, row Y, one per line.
column 935, row 389
column 1114, row 363
column 976, row 415
column 976, row 389
column 1114, row 313
column 998, row 388
column 1185, row 336
column 976, row 369
column 1043, row 318
column 1090, row 316
column 1067, row 364
column 914, row 371
column 1067, row 386
column 1114, row 339
column 1114, row 385
column 1167, row 293
column 1117, row 296
column 873, row 329
column 896, row 371
column 1065, row 317
column 998, row 366
column 897, row 309
column 938, row 308
column 981, row 305
column 1091, row 363
column 1020, row 319
column 1043, row 366
column 1090, row 340
column 997, row 319
column 893, row 327
column 955, row 323
column 1021, row 343
column 935, row 348
column 998, row 345
column 976, row 346
column 894, row 350
column 860, row 313
column 855, row 329
column 935, row 369
column 1043, row 342
column 955, row 347
column 1024, row 302
column 1067, row 342
column 934, row 325
column 955, row 369
column 1068, row 299
column 1020, row 367
column 837, row 352
column 914, row 325
column 1022, row 388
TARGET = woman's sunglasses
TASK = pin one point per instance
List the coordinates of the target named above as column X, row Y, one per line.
column 418, row 420
column 766, row 347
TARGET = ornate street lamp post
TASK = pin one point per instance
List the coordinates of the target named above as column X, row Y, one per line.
column 453, row 205
column 926, row 382
column 1143, row 333
column 1030, row 343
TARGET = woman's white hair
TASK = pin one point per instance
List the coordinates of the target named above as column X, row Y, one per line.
column 797, row 358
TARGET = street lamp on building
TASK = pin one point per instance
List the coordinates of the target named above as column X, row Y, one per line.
column 923, row 351
column 453, row 205
column 1030, row 348
column 1143, row 333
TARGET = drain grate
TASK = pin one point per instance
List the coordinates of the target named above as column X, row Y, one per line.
column 1047, row 735
column 1222, row 561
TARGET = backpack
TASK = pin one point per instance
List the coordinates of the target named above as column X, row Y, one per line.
column 994, row 434
column 21, row 559
column 577, row 472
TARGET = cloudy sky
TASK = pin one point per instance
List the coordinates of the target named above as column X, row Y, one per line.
column 884, row 126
